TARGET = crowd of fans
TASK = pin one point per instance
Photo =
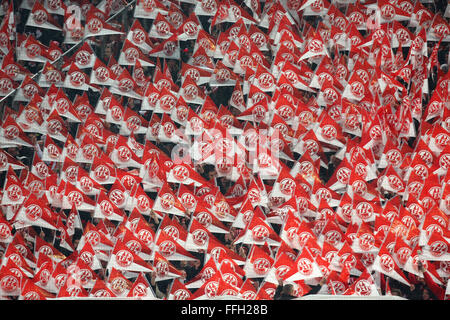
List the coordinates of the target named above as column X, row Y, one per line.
column 109, row 46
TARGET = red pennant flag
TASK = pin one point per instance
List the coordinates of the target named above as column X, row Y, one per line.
column 209, row 288
column 385, row 263
column 208, row 271
column 78, row 80
column 132, row 123
column 164, row 269
column 83, row 58
column 13, row 69
column 42, row 246
column 12, row 280
column 97, row 26
column 209, row 220
column 167, row 201
column 101, row 290
column 185, row 174
column 12, row 135
column 32, row 50
column 31, row 291
column 198, row 236
column 168, row 48
column 258, row 263
column 14, row 193
column 131, row 53
column 139, row 36
column 6, row 234
column 191, row 92
column 142, row 229
column 68, row 290
column 281, row 268
column 141, row 289
column 90, row 257
column 173, row 228
column 170, row 249
column 198, row 75
column 52, row 152
column 105, row 208
column 248, row 291
column 118, row 283
column 189, row 28
column 436, row 248
column 179, row 291
column 161, row 28
column 123, row 258
column 35, row 212
column 147, row 9
column 6, row 161
column 101, row 74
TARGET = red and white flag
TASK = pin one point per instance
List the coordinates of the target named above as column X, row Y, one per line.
column 12, row 135
column 39, row 17
column 100, row 290
column 258, row 263
column 314, row 48
column 189, row 29
column 34, row 212
column 6, row 230
column 125, row 85
column 185, row 174
column 125, row 259
column 171, row 249
column 12, row 280
column 123, row 156
column 118, row 283
column 281, row 268
column 179, row 291
column 385, row 263
column 78, row 80
column 31, row 291
column 199, row 75
column 141, row 289
column 164, row 269
column 198, row 236
column 32, row 50
column 149, row 9
column 173, row 228
column 83, row 58
column 106, row 209
column 12, row 68
column 101, row 74
column 52, row 152
column 436, row 248
column 7, row 84
column 27, row 90
column 208, row 271
column 208, row 219
column 364, row 285
column 131, row 53
column 161, row 28
column 191, row 92
column 168, row 48
column 139, row 36
column 168, row 202
column 13, row 191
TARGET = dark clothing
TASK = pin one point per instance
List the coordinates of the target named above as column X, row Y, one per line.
column 314, row 289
